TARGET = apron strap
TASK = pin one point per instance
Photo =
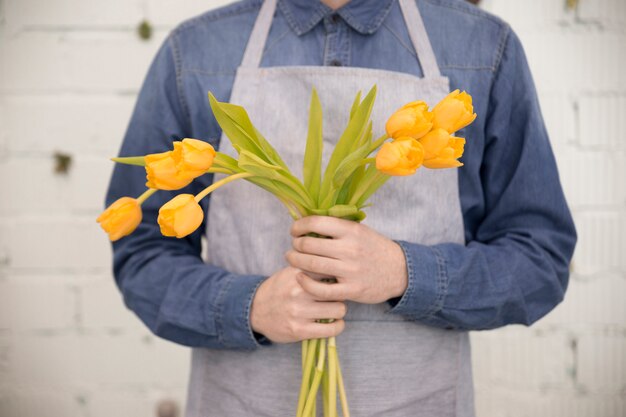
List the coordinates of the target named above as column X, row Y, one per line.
column 412, row 17
column 256, row 43
column 419, row 37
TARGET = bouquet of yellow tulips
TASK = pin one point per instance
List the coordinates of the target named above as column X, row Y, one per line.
column 359, row 165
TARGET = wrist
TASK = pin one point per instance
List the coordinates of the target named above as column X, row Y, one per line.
column 399, row 276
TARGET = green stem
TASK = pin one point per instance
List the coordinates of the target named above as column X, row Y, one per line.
column 294, row 213
column 376, row 144
column 214, row 170
column 306, row 375
column 342, row 389
column 143, row 197
column 221, row 182
column 332, row 376
column 370, row 184
column 325, row 402
column 319, row 370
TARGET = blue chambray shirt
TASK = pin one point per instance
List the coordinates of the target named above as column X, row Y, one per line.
column 519, row 231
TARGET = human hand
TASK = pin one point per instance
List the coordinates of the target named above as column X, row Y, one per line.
column 283, row 312
column 369, row 267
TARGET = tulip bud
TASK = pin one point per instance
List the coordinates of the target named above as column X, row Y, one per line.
column 413, row 120
column 180, row 216
column 162, row 173
column 454, row 112
column 194, row 157
column 121, row 218
column 403, row 156
column 176, row 169
column 447, row 157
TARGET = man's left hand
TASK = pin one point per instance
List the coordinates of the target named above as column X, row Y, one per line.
column 369, row 267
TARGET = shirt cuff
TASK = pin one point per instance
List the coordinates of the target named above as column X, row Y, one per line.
column 427, row 282
column 233, row 317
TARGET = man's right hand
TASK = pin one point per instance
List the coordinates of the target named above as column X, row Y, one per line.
column 283, row 312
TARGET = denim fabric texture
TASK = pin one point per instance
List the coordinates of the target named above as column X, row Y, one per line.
column 518, row 229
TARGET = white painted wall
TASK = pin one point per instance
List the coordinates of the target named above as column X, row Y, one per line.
column 69, row 74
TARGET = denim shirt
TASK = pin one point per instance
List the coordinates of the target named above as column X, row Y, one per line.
column 519, row 232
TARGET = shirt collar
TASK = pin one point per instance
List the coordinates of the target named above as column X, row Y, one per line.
column 364, row 16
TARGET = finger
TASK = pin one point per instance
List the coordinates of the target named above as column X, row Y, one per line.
column 329, row 248
column 325, row 310
column 323, row 291
column 314, row 263
column 316, row 330
column 322, row 225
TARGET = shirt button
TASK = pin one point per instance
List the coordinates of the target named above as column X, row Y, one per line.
column 335, row 63
column 334, row 18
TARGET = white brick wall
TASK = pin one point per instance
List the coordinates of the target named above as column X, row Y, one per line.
column 69, row 73
column 572, row 362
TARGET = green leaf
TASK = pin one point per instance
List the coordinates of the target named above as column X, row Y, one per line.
column 378, row 180
column 235, row 128
column 249, row 162
column 312, row 165
column 349, row 165
column 348, row 212
column 270, row 151
column 255, row 165
column 355, row 104
column 355, row 180
column 131, row 160
column 356, row 128
column 226, row 161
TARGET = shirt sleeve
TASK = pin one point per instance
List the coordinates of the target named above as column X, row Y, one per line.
column 164, row 280
column 515, row 268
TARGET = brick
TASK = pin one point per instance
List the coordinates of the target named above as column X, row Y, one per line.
column 106, row 403
column 70, row 360
column 602, row 361
column 167, row 12
column 607, row 13
column 601, row 242
column 75, row 123
column 4, row 123
column 530, row 14
column 76, row 61
column 520, row 358
column 72, row 13
column 34, row 401
column 102, row 306
column 582, row 308
column 501, row 402
column 559, row 116
column 594, row 60
column 35, row 243
column 593, row 178
column 36, row 303
column 80, row 190
column 602, row 121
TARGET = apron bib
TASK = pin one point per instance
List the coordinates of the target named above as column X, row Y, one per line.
column 392, row 367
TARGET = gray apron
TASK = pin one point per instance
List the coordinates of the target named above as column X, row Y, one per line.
column 392, row 366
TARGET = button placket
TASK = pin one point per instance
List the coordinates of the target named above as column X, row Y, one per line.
column 336, row 52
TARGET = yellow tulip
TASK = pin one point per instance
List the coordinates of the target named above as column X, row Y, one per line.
column 403, row 156
column 180, row 216
column 413, row 120
column 447, row 157
column 176, row 169
column 162, row 172
column 434, row 142
column 454, row 112
column 193, row 157
column 121, row 218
